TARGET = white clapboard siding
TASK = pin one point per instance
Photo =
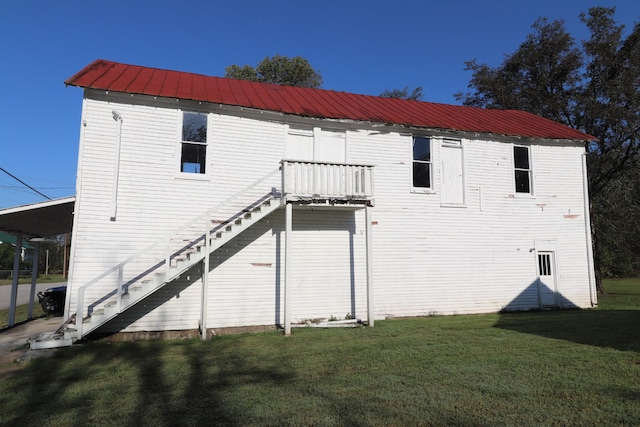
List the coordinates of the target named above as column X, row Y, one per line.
column 477, row 258
column 428, row 257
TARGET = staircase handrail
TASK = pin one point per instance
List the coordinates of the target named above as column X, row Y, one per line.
column 155, row 244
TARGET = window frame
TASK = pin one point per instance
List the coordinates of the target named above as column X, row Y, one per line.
column 419, row 189
column 181, row 142
column 528, row 170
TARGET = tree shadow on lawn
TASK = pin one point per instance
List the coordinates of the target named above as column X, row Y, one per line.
column 138, row 383
column 615, row 329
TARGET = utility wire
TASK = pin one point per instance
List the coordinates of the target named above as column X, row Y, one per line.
column 25, row 184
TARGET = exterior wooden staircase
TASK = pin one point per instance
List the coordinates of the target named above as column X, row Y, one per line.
column 143, row 273
column 180, row 262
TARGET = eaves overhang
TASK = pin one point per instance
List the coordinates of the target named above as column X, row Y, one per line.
column 43, row 219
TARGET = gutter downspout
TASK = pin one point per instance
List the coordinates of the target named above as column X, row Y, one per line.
column 587, row 228
column 116, row 170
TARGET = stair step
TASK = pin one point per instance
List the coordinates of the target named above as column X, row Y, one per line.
column 70, row 334
column 50, row 340
column 225, row 230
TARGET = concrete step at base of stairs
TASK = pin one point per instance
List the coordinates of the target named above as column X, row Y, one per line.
column 50, row 340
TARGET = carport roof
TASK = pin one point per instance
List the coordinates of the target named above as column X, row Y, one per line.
column 44, row 219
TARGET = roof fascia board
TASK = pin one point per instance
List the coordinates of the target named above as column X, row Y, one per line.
column 38, row 205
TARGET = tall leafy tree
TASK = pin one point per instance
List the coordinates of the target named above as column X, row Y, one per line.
column 278, row 69
column 594, row 87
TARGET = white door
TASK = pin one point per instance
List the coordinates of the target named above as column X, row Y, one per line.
column 547, row 287
column 451, row 173
column 316, row 145
column 299, row 145
column 330, row 147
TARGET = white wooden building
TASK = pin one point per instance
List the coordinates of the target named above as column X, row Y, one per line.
column 312, row 204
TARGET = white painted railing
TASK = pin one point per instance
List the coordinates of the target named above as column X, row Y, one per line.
column 301, row 180
column 199, row 228
column 325, row 180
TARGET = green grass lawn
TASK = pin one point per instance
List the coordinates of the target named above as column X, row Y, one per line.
column 51, row 278
column 573, row 367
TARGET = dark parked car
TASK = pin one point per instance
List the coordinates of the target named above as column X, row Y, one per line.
column 52, row 300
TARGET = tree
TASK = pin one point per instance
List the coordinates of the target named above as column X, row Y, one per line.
column 414, row 95
column 278, row 70
column 55, row 247
column 594, row 87
column 541, row 77
column 7, row 253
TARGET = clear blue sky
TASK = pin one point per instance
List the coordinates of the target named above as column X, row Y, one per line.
column 360, row 46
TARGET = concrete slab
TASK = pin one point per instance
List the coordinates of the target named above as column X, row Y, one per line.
column 14, row 342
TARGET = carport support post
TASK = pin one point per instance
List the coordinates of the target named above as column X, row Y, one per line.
column 34, row 278
column 14, row 283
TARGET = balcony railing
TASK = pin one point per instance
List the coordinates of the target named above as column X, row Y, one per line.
column 303, row 180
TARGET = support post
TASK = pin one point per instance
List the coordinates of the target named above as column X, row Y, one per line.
column 14, row 284
column 205, row 278
column 287, row 268
column 370, row 310
column 34, row 278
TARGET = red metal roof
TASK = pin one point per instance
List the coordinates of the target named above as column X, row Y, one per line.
column 117, row 77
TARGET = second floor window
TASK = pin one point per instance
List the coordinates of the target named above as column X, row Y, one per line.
column 193, row 149
column 522, row 166
column 421, row 162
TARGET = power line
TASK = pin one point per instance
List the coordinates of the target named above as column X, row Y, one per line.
column 25, row 184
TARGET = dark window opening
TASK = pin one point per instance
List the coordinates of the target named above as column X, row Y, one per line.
column 194, row 127
column 522, row 169
column 193, row 156
column 421, row 162
column 544, row 264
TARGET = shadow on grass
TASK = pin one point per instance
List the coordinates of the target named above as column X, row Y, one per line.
column 615, row 329
column 139, row 383
column 613, row 325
